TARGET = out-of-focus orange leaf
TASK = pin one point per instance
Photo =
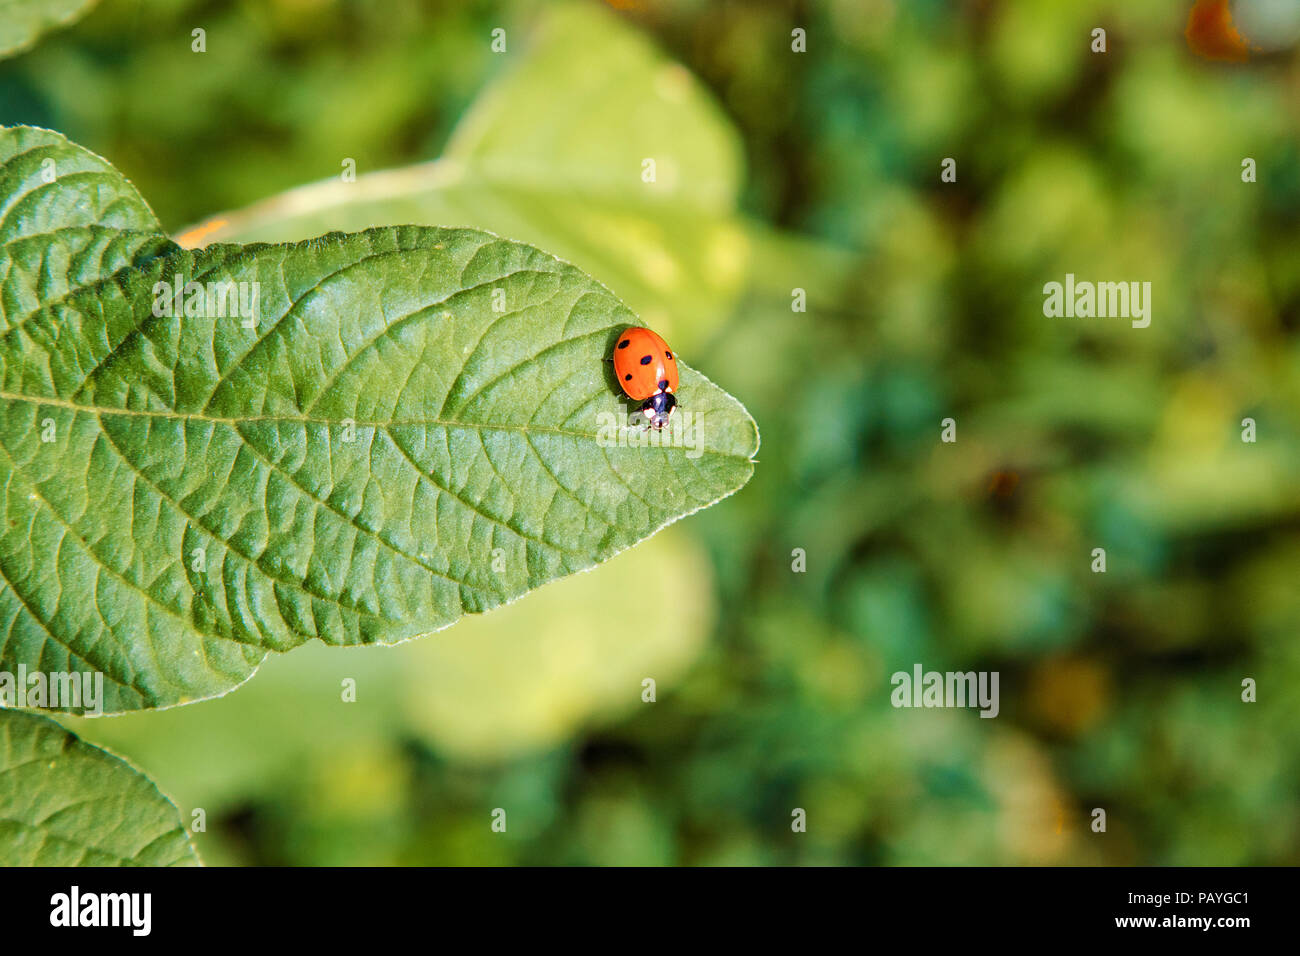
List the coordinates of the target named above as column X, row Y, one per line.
column 1211, row 33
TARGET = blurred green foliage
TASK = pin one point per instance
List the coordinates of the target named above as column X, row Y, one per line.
column 1119, row 690
column 523, row 162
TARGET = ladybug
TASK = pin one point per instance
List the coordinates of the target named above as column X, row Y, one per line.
column 647, row 372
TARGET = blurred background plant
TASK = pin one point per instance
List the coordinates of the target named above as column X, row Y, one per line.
column 781, row 170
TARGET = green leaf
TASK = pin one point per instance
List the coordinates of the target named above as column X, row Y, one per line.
column 610, row 79
column 419, row 425
column 552, row 153
column 66, row 803
column 522, row 679
column 22, row 22
column 68, row 220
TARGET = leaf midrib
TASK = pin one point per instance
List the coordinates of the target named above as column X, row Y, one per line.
column 172, row 415
column 408, row 183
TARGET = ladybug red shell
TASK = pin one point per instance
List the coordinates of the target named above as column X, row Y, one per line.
column 647, row 372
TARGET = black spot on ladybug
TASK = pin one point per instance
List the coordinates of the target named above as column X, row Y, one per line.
column 625, row 343
column 627, row 377
column 663, row 383
column 669, row 354
column 645, row 360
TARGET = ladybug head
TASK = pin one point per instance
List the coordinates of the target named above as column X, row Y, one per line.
column 658, row 408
